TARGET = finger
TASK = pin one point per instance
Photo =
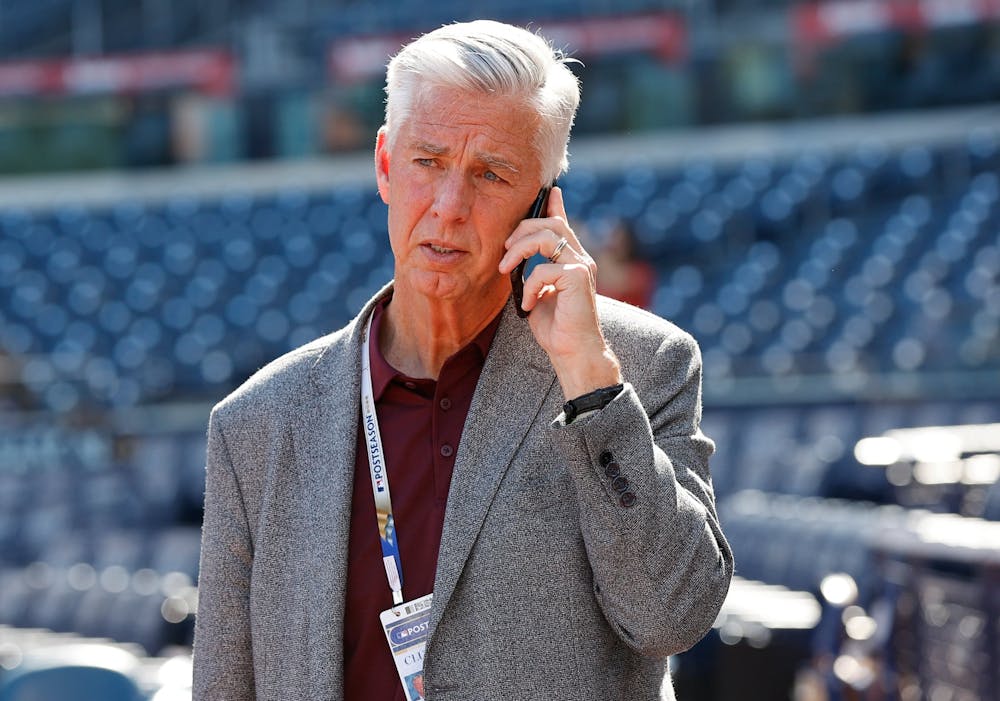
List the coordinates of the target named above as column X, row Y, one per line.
column 544, row 242
column 553, row 218
column 557, row 213
column 549, row 278
column 557, row 210
column 557, row 207
column 528, row 227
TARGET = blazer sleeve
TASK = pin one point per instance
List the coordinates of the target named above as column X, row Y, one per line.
column 223, row 661
column 660, row 562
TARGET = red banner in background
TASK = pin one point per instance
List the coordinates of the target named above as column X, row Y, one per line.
column 662, row 34
column 354, row 59
column 821, row 23
column 211, row 72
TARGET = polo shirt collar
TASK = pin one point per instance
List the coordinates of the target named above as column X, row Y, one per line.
column 383, row 373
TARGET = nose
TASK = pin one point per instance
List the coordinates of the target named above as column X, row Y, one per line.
column 453, row 197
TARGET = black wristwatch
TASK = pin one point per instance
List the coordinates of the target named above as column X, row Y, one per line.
column 598, row 399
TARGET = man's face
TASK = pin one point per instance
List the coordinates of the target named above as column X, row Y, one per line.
column 460, row 175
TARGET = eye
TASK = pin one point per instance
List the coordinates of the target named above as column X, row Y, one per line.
column 427, row 162
column 492, row 177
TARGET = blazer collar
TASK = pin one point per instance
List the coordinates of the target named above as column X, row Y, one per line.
column 339, row 363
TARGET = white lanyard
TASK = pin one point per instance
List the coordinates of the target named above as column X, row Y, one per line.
column 380, row 478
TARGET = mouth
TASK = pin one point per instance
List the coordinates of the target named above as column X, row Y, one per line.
column 441, row 253
column 441, row 249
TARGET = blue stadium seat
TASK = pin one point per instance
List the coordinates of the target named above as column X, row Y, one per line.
column 126, row 550
column 886, row 238
column 15, row 597
column 68, row 683
column 54, row 605
column 796, row 541
column 177, row 550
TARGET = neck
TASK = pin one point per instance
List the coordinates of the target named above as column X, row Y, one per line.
column 419, row 334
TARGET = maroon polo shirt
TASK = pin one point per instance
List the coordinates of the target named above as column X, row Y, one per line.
column 421, row 423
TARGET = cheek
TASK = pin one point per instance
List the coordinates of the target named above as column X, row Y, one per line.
column 406, row 209
column 499, row 216
column 400, row 229
column 492, row 235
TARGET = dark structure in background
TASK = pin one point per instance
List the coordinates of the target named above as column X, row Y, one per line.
column 105, row 83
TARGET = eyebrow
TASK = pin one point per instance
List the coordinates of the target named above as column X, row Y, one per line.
column 427, row 147
column 490, row 159
column 496, row 162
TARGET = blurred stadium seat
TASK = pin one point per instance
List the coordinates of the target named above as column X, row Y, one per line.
column 842, row 278
column 825, row 272
column 69, row 684
column 154, row 315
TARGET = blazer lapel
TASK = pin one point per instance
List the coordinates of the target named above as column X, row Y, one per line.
column 324, row 435
column 515, row 380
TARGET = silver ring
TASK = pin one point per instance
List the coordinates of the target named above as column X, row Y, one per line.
column 559, row 249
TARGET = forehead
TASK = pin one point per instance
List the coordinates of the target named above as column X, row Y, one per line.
column 452, row 119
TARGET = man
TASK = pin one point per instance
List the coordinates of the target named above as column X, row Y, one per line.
column 568, row 549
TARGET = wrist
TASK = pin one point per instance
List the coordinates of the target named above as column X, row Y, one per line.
column 583, row 374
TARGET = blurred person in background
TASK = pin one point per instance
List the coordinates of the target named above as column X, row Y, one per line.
column 621, row 274
column 551, row 509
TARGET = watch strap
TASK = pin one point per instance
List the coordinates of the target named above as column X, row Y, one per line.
column 591, row 401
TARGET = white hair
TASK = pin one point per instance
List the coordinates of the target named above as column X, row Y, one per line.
column 495, row 58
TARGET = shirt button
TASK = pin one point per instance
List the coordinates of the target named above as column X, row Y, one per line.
column 445, row 403
column 628, row 500
column 620, row 484
column 606, row 457
column 447, row 450
column 410, row 385
column 612, row 470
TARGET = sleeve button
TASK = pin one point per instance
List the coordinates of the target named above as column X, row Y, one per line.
column 612, row 470
column 620, row 484
column 628, row 500
column 606, row 457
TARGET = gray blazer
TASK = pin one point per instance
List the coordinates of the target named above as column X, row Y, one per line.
column 547, row 587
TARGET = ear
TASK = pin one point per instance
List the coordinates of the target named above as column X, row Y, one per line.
column 382, row 165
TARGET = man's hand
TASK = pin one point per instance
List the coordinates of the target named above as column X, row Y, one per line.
column 561, row 297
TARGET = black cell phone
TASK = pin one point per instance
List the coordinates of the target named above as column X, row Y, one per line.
column 537, row 210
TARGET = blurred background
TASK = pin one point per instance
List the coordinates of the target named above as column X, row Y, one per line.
column 810, row 188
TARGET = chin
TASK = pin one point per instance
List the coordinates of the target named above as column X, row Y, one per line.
column 460, row 290
column 440, row 285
